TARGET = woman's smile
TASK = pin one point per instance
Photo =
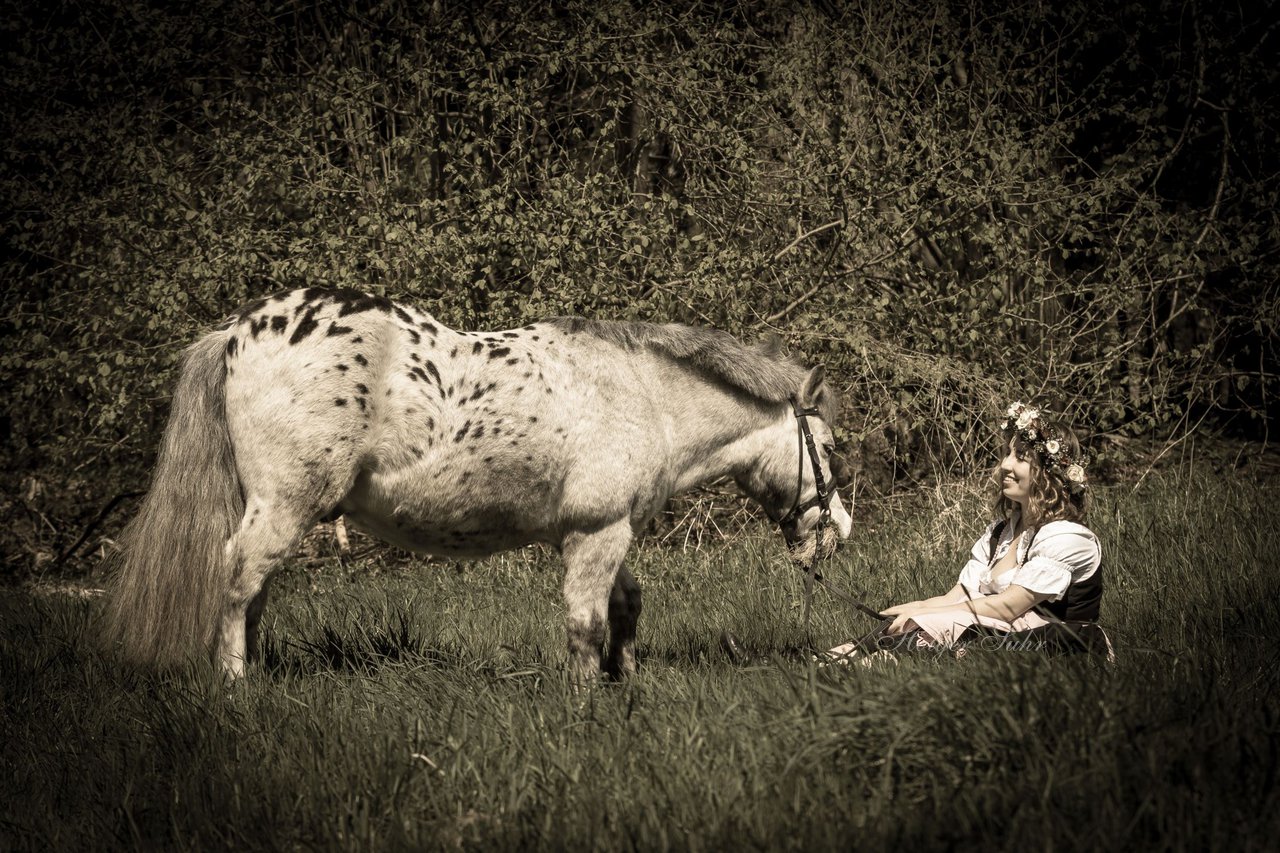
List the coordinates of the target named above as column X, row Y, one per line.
column 1015, row 473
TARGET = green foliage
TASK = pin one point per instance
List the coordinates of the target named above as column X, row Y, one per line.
column 950, row 210
column 427, row 709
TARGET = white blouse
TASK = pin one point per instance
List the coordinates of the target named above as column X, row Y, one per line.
column 1061, row 554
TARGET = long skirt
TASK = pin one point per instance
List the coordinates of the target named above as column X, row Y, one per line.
column 960, row 629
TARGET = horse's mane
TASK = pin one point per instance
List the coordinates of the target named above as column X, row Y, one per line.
column 760, row 369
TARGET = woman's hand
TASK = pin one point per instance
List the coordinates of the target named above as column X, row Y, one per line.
column 956, row 593
column 899, row 625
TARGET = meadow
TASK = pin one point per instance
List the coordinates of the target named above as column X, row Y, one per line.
column 411, row 704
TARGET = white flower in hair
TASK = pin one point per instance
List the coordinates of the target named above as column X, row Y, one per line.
column 1075, row 474
column 1025, row 419
column 1014, row 408
column 1052, row 446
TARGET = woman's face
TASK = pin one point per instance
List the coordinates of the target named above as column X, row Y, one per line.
column 1015, row 476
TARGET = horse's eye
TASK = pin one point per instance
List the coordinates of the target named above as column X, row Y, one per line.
column 828, row 449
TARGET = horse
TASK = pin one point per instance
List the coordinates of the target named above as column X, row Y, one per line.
column 314, row 403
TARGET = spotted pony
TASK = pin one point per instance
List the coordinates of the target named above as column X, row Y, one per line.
column 314, row 403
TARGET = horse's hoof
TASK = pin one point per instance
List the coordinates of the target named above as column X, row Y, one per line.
column 733, row 648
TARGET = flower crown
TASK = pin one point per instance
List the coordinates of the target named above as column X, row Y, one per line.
column 1024, row 421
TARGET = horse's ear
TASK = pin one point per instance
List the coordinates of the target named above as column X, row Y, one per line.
column 811, row 391
column 771, row 345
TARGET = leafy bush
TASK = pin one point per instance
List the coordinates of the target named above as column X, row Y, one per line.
column 950, row 208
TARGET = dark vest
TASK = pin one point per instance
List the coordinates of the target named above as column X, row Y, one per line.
column 1080, row 603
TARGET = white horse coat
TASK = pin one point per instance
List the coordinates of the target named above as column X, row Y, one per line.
column 572, row 432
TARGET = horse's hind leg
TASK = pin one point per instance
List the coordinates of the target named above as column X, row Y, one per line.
column 592, row 560
column 252, row 618
column 624, row 613
column 268, row 533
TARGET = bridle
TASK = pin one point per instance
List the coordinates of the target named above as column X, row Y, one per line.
column 822, row 500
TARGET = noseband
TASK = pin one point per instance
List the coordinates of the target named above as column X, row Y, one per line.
column 822, row 500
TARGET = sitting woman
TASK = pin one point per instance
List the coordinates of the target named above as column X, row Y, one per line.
column 1034, row 579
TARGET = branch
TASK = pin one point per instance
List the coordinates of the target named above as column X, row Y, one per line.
column 93, row 525
column 806, row 235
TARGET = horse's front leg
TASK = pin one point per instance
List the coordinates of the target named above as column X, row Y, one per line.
column 592, row 560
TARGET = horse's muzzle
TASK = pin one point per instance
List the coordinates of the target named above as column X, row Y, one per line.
column 804, row 549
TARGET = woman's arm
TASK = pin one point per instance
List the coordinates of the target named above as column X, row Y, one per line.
column 952, row 596
column 1005, row 606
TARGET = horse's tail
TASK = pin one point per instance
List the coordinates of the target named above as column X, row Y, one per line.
column 172, row 573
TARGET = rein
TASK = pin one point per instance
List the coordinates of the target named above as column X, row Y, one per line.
column 822, row 500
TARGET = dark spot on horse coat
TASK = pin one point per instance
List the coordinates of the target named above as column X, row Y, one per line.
column 257, row 325
column 431, row 368
column 342, row 367
column 335, row 329
column 231, row 348
column 477, row 348
column 453, row 353
column 361, row 360
column 306, row 326
column 462, row 433
column 511, row 334
column 341, row 401
column 512, row 361
column 402, row 314
column 362, row 388
column 478, row 432
column 416, row 452
column 427, row 327
column 414, row 356
column 278, row 323
column 357, row 340
column 361, row 401
column 416, row 373
column 414, row 337
column 498, row 352
column 355, row 302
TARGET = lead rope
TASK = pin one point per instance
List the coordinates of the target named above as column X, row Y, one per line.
column 824, row 505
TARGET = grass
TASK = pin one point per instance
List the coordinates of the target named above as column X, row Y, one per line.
column 428, row 709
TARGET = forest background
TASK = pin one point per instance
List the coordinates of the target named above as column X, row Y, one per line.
column 949, row 205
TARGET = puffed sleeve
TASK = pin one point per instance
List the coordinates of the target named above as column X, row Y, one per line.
column 979, row 557
column 1061, row 554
